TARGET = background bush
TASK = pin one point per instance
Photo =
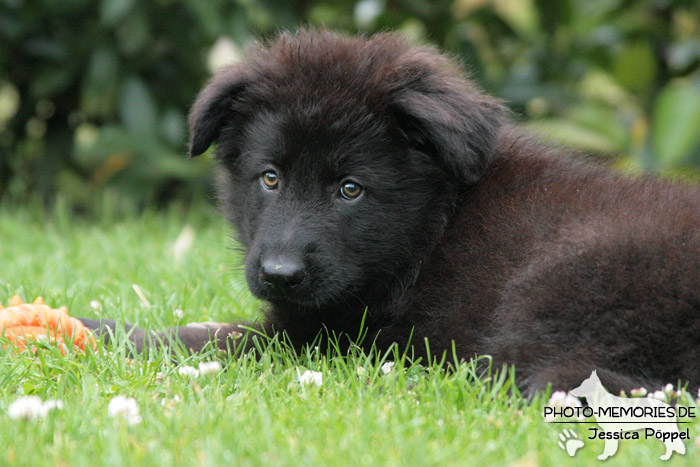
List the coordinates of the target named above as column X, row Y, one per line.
column 94, row 94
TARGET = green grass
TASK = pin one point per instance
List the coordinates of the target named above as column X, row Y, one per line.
column 255, row 412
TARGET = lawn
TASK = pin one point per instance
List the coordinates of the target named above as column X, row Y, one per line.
column 179, row 266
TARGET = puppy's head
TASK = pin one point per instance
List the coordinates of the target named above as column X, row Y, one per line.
column 341, row 161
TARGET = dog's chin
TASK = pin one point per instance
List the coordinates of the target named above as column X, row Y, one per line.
column 296, row 301
column 300, row 303
column 301, row 300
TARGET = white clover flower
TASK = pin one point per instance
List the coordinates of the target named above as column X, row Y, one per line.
column 311, row 377
column 660, row 395
column 95, row 305
column 179, row 313
column 125, row 407
column 25, row 408
column 387, row 367
column 31, row 408
column 668, row 389
column 188, row 371
column 43, row 339
column 360, row 371
column 639, row 392
column 209, row 368
column 563, row 399
column 49, row 405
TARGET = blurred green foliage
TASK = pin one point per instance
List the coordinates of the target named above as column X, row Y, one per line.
column 94, row 93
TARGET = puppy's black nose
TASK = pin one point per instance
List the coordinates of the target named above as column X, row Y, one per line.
column 282, row 273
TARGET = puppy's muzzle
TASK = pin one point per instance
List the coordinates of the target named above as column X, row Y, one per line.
column 282, row 273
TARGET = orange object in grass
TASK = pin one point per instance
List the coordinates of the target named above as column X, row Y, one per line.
column 25, row 322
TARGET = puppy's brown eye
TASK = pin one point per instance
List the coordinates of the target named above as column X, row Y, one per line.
column 350, row 190
column 270, row 180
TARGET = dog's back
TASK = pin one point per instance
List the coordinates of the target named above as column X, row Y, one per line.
column 560, row 267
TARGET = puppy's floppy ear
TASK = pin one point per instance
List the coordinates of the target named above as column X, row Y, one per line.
column 214, row 105
column 452, row 121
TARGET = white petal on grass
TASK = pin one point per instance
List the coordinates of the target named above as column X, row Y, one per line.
column 184, row 242
column 49, row 405
column 360, row 371
column 209, row 368
column 188, row 371
column 311, row 377
column 32, row 407
column 43, row 338
column 25, row 408
column 387, row 367
column 125, row 407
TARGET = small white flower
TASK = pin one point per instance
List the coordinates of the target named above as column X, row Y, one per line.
column 125, row 407
column 639, row 392
column 564, row 399
column 188, row 371
column 179, row 313
column 50, row 405
column 311, row 377
column 360, row 371
column 387, row 367
column 209, row 368
column 25, row 408
column 95, row 305
column 43, row 338
column 668, row 389
column 660, row 395
column 556, row 399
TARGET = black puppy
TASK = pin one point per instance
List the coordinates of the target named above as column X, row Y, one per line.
column 367, row 174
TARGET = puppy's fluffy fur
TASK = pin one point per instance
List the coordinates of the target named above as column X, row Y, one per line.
column 465, row 232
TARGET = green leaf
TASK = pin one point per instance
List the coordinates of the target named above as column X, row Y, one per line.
column 172, row 127
column 137, row 108
column 520, row 15
column 676, row 123
column 635, row 66
column 133, row 35
column 114, row 11
column 101, row 84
